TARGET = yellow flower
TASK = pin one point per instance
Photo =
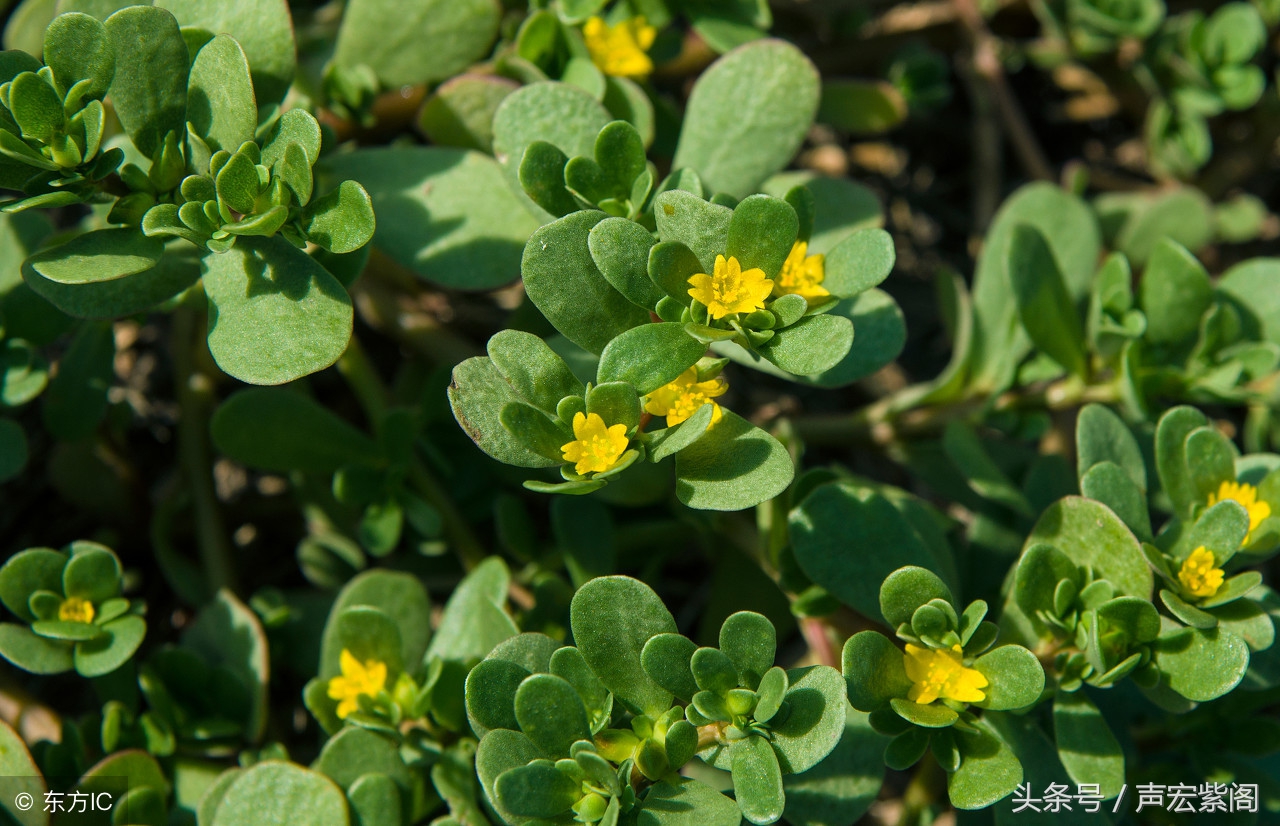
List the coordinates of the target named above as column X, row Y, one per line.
column 802, row 274
column 75, row 609
column 620, row 50
column 1198, row 574
column 942, row 673
column 596, row 448
column 731, row 289
column 357, row 678
column 1246, row 495
column 680, row 399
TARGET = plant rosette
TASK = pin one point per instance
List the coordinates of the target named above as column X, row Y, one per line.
column 754, row 719
column 1098, row 635
column 923, row 697
column 75, row 616
column 52, row 120
column 551, row 747
column 523, row 405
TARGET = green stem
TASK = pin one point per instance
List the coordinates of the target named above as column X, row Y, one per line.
column 922, row 792
column 196, row 399
column 355, row 367
column 892, row 420
column 459, row 533
column 372, row 393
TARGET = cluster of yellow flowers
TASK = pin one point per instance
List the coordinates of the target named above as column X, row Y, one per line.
column 598, row 446
column 730, row 289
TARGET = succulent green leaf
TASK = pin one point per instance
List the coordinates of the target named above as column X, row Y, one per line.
column 551, row 713
column 757, row 780
column 1086, row 745
column 500, row 751
column 341, row 221
column 237, row 183
column 750, row 641
column 1069, row 226
column 616, row 402
column 36, row 107
column 666, row 659
column 102, row 255
column 478, row 394
column 816, row 704
column 477, row 226
column 670, row 266
column 859, row 262
column 474, row 622
column 77, row 48
column 562, row 280
column 491, row 692
column 770, row 695
column 149, row 45
column 221, row 107
column 747, row 116
column 541, row 175
column 988, row 769
column 533, row 369
column 1221, row 529
column 761, row 233
column 281, row 431
column 612, row 619
column 736, row 465
column 1046, row 309
column 1201, row 665
column 1015, row 677
column 701, row 226
column 375, row 800
column 1090, row 534
column 274, row 793
column 1174, row 293
column 1211, row 460
column 1108, row 483
column 92, row 573
column 274, row 313
column 538, row 789
column 811, row 346
column 1102, row 436
column 390, row 39
column 874, row 671
column 112, row 650
column 620, row 249
column 38, row 655
column 264, row 30
column 461, row 110
column 370, row 634
column 713, row 671
column 649, row 356
column 683, row 801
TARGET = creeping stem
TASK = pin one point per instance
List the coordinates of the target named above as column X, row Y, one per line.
column 196, row 398
column 893, row 420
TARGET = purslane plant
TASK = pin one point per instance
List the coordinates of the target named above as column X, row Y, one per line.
column 202, row 159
